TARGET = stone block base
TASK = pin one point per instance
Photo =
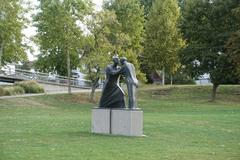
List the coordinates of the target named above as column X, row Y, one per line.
column 100, row 120
column 117, row 121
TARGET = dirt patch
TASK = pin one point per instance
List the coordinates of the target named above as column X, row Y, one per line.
column 77, row 98
column 161, row 92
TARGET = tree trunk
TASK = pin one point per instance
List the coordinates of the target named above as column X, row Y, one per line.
column 163, row 76
column 1, row 53
column 92, row 93
column 214, row 91
column 171, row 79
column 94, row 87
column 69, row 73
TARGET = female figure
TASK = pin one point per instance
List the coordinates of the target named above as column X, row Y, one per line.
column 112, row 94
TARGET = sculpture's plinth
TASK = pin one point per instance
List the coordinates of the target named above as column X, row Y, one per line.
column 117, row 121
column 100, row 120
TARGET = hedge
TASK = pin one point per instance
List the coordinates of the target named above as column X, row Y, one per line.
column 13, row 90
column 30, row 86
column 21, row 88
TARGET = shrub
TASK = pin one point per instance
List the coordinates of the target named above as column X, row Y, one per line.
column 179, row 78
column 30, row 86
column 13, row 90
column 1, row 91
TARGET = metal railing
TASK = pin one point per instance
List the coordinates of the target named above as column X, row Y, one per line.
column 48, row 78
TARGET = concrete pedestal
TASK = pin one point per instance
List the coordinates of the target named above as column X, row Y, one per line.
column 100, row 120
column 117, row 121
column 127, row 122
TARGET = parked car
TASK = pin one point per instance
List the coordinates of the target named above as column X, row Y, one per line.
column 79, row 78
column 51, row 76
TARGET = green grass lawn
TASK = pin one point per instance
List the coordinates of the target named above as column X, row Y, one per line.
column 179, row 124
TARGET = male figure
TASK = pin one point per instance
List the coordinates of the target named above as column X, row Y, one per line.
column 128, row 70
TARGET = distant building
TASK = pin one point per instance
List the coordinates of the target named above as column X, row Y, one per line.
column 203, row 80
column 9, row 69
column 156, row 78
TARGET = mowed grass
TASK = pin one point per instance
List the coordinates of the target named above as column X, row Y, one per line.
column 179, row 123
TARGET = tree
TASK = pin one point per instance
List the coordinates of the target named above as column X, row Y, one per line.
column 11, row 25
column 98, row 49
column 147, row 4
column 207, row 26
column 233, row 51
column 180, row 77
column 128, row 36
column 163, row 39
column 59, row 35
column 232, row 47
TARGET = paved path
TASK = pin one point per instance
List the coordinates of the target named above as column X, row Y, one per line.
column 51, row 88
column 4, row 83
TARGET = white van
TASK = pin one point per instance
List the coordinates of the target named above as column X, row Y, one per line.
column 80, row 78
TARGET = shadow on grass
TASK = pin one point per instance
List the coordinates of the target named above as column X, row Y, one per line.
column 96, row 135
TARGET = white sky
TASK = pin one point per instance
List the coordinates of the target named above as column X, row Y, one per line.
column 30, row 31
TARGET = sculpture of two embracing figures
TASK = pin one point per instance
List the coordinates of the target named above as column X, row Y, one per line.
column 112, row 94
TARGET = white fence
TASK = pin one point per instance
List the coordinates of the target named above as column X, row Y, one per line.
column 47, row 78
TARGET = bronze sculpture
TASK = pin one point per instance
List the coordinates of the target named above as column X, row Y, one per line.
column 112, row 94
column 128, row 70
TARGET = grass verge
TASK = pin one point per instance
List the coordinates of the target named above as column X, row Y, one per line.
column 179, row 122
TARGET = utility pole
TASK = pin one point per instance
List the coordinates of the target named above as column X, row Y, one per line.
column 69, row 72
column 163, row 76
column 1, row 53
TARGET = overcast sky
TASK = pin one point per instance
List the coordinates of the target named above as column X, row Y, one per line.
column 30, row 31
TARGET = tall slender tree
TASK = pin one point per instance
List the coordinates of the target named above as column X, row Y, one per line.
column 163, row 39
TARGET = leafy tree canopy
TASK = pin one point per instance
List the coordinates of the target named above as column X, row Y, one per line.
column 233, row 51
column 59, row 33
column 163, row 39
column 207, row 26
column 98, row 49
column 11, row 25
column 127, row 37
